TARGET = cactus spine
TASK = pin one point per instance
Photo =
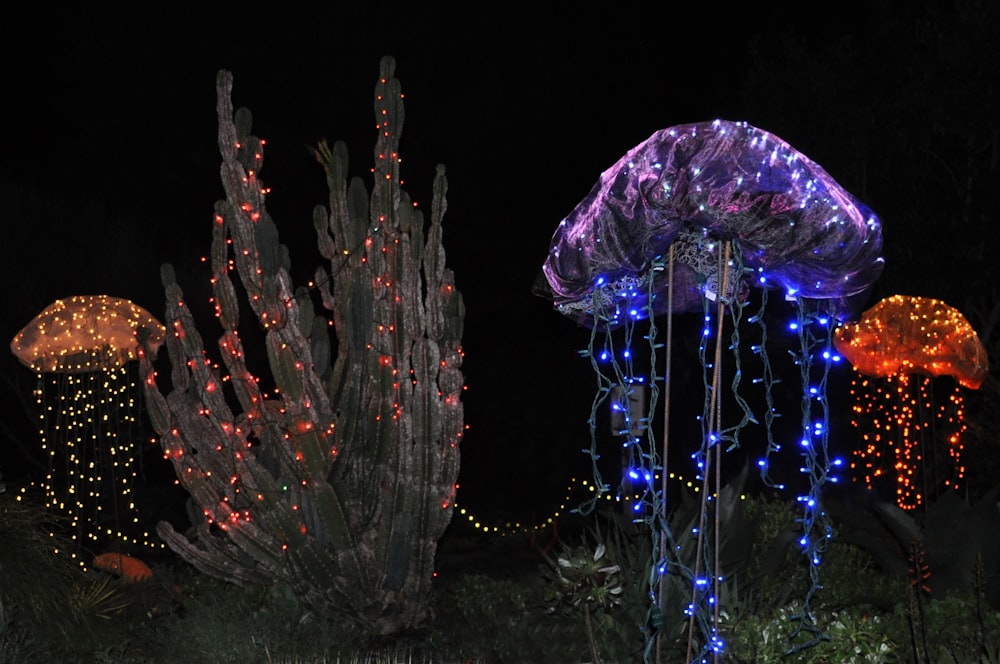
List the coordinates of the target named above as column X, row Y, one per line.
column 342, row 482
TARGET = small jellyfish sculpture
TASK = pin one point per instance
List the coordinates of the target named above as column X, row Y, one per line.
column 912, row 358
column 82, row 349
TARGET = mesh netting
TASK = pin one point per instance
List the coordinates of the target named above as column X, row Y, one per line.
column 698, row 185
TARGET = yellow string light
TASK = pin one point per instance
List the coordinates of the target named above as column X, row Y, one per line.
column 80, row 349
column 571, row 498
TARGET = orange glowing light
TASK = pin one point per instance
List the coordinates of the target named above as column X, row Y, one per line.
column 898, row 349
column 904, row 334
column 83, row 332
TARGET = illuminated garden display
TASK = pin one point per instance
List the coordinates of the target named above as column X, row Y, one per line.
column 84, row 350
column 912, row 358
column 706, row 218
column 325, row 456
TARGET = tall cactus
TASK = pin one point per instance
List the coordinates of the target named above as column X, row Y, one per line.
column 340, row 482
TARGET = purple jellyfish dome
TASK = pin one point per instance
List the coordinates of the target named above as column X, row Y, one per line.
column 697, row 188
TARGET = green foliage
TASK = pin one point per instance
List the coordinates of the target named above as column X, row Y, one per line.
column 956, row 536
column 241, row 624
column 507, row 615
column 48, row 606
column 851, row 637
column 504, row 620
column 959, row 627
column 582, row 575
column 766, row 579
column 583, row 578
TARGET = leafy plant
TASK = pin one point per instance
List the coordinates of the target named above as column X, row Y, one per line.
column 851, row 637
column 953, row 537
column 66, row 614
column 583, row 578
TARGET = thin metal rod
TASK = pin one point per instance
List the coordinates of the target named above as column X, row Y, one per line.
column 661, row 590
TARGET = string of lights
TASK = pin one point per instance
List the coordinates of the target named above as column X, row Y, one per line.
column 83, row 351
column 613, row 359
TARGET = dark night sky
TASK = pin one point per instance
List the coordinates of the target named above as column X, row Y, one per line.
column 110, row 165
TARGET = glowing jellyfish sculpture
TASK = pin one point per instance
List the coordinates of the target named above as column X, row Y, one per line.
column 697, row 218
column 81, row 349
column 898, row 349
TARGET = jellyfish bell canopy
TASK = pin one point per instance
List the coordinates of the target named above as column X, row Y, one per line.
column 86, row 333
column 905, row 334
column 696, row 187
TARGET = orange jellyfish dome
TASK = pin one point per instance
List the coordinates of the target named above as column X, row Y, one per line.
column 79, row 333
column 906, row 334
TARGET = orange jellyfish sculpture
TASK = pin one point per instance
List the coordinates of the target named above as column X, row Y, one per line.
column 81, row 349
column 911, row 356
